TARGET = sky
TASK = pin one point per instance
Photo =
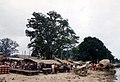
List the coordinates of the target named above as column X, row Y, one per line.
column 95, row 18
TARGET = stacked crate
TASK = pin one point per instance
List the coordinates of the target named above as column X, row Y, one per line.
column 4, row 69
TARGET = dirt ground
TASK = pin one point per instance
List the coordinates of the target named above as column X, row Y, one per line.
column 93, row 76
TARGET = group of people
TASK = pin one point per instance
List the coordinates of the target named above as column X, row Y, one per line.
column 22, row 65
column 25, row 65
column 54, row 67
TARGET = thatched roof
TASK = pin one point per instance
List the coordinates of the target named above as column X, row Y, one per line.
column 77, row 62
column 24, row 56
column 103, row 63
column 15, row 59
column 31, row 60
column 88, row 62
column 42, row 61
column 62, row 61
column 49, row 62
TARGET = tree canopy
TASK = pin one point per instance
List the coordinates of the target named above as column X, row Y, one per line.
column 8, row 46
column 93, row 49
column 50, row 34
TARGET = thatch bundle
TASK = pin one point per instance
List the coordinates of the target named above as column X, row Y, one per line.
column 105, row 63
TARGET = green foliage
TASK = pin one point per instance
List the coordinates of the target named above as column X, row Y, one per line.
column 117, row 60
column 93, row 49
column 7, row 46
column 50, row 34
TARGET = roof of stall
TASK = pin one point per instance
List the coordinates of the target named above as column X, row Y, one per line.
column 62, row 61
column 49, row 62
column 15, row 59
column 42, row 61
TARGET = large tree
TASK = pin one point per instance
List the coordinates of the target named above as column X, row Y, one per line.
column 50, row 34
column 8, row 46
column 93, row 49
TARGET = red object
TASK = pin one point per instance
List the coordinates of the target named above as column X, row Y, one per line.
column 4, row 69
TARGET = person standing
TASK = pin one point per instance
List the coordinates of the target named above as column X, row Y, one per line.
column 56, row 68
column 53, row 69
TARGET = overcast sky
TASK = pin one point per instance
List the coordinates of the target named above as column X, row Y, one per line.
column 96, row 18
